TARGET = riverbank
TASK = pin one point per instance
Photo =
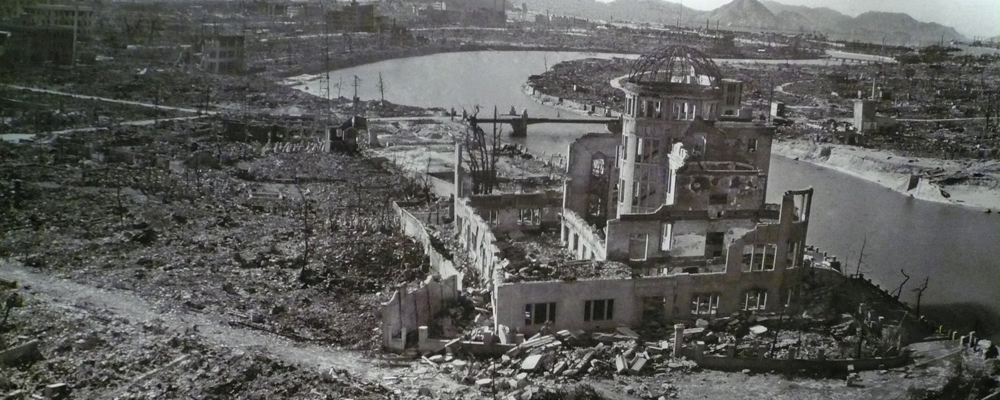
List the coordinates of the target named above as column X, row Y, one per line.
column 358, row 59
column 370, row 58
column 570, row 106
column 961, row 182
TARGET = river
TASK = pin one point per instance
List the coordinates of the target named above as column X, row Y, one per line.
column 958, row 248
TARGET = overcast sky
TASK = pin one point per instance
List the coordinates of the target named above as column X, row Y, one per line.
column 969, row 17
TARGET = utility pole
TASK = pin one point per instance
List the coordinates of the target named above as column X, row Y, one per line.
column 680, row 14
column 326, row 67
column 356, row 80
column 76, row 16
column 381, row 89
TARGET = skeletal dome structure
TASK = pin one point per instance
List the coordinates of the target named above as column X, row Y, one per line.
column 674, row 64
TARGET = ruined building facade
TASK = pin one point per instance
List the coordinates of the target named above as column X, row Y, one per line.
column 223, row 54
column 678, row 197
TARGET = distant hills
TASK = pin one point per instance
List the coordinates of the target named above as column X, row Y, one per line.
column 895, row 28
column 750, row 14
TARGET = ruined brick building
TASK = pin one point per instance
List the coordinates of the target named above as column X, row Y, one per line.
column 677, row 201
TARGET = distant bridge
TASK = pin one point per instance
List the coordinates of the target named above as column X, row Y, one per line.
column 519, row 124
column 846, row 57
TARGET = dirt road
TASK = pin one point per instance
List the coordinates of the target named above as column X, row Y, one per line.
column 215, row 331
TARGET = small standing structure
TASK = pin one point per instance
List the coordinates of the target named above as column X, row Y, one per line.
column 223, row 54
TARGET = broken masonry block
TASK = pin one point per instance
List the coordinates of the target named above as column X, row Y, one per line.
column 484, row 382
column 620, row 365
column 559, row 367
column 531, row 362
column 57, row 391
column 678, row 339
column 625, row 331
column 638, row 366
column 23, row 353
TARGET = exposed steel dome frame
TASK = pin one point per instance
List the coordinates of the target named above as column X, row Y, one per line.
column 664, row 63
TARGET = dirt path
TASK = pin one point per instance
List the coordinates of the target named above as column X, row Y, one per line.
column 128, row 102
column 215, row 331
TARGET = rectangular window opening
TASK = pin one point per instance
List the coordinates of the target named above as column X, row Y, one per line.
column 599, row 310
column 705, row 304
column 667, row 237
column 539, row 313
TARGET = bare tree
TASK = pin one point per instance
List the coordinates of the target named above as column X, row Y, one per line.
column 899, row 290
column 482, row 159
column 920, row 293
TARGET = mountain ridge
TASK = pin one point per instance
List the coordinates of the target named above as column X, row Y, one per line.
column 768, row 15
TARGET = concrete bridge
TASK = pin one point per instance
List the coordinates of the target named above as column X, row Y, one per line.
column 519, row 124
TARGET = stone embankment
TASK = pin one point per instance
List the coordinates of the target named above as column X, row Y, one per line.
column 571, row 106
column 968, row 183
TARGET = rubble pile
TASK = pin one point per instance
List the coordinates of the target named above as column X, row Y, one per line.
column 539, row 257
column 83, row 351
column 564, row 357
column 312, row 263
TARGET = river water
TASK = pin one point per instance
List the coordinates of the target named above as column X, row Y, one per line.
column 958, row 248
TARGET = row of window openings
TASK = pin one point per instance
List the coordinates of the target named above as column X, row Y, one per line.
column 593, row 310
column 646, row 150
column 755, row 257
column 753, row 300
column 530, row 216
column 642, row 190
column 603, row 310
column 654, row 109
column 222, row 54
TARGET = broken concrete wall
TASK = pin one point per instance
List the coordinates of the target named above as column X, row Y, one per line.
column 581, row 238
column 406, row 311
column 675, row 293
column 441, row 264
column 718, row 190
column 517, row 212
column 579, row 189
column 569, row 299
column 688, row 237
column 737, row 288
column 477, row 238
column 442, row 184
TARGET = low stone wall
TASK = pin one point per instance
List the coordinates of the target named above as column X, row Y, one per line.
column 406, row 311
column 441, row 260
column 566, row 104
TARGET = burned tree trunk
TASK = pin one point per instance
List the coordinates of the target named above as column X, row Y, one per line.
column 899, row 290
column 482, row 160
column 920, row 293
